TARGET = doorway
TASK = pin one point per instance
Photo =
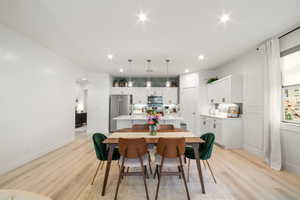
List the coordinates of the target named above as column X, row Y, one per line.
column 81, row 107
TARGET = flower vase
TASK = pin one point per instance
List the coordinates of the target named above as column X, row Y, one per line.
column 153, row 130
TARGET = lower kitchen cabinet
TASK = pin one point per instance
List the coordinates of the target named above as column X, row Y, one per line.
column 228, row 131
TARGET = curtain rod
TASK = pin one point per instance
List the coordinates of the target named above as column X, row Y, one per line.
column 289, row 32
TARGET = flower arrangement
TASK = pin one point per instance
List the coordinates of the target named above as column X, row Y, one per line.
column 153, row 121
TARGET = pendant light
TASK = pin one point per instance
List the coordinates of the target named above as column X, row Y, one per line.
column 130, row 83
column 148, row 83
column 168, row 82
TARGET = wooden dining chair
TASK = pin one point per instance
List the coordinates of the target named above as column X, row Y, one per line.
column 166, row 127
column 134, row 153
column 140, row 126
column 102, row 152
column 169, row 153
column 205, row 151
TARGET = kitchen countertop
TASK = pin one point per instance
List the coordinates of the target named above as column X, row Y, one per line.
column 220, row 117
column 143, row 117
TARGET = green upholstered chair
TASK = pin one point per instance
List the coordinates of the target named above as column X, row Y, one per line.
column 102, row 151
column 205, row 151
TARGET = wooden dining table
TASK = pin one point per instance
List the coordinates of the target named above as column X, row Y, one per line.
column 113, row 140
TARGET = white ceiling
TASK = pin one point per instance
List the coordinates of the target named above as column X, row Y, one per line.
column 86, row 31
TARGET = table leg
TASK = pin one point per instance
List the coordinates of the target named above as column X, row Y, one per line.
column 108, row 165
column 196, row 151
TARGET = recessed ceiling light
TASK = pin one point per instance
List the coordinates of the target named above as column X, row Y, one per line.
column 187, row 71
column 224, row 18
column 201, row 57
column 110, row 56
column 121, row 70
column 142, row 17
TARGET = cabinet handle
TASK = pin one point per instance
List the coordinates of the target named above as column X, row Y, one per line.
column 211, row 100
column 204, row 122
column 215, row 126
column 223, row 99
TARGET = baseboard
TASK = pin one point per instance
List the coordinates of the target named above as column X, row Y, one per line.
column 17, row 163
column 254, row 151
column 291, row 168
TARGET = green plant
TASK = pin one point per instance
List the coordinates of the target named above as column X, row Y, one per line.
column 210, row 80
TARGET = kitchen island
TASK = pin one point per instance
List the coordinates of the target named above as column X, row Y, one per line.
column 126, row 121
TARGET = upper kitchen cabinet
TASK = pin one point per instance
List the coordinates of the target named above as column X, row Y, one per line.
column 170, row 95
column 120, row 90
column 139, row 95
column 226, row 90
column 154, row 91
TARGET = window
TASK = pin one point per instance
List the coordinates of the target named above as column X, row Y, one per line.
column 290, row 65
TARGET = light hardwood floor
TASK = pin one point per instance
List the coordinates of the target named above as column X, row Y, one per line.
column 65, row 174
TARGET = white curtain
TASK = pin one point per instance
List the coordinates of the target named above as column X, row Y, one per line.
column 272, row 103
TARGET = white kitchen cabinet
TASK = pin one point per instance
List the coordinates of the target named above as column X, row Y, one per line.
column 170, row 95
column 120, row 90
column 139, row 95
column 226, row 90
column 228, row 131
column 155, row 91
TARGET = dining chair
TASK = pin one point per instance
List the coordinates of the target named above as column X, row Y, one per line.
column 102, row 152
column 169, row 153
column 134, row 153
column 205, row 151
column 140, row 126
column 166, row 127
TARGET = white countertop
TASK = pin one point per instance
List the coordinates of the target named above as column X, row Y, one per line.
column 220, row 117
column 143, row 117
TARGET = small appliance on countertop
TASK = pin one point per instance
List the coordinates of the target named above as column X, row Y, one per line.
column 226, row 110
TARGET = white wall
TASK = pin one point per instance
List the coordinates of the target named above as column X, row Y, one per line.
column 37, row 99
column 98, row 103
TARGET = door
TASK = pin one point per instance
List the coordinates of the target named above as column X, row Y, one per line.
column 188, row 106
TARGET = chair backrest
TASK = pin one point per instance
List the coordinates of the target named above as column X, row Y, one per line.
column 168, row 147
column 166, row 127
column 206, row 148
column 132, row 147
column 140, row 127
column 100, row 147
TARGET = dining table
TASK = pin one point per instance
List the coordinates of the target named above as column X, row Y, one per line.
column 190, row 139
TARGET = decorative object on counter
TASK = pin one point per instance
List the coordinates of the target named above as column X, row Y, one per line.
column 116, row 83
column 123, row 82
column 153, row 120
column 210, row 80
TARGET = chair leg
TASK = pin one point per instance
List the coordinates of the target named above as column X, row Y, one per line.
column 145, row 183
column 158, row 183
column 149, row 160
column 119, row 180
column 184, row 180
column 211, row 171
column 96, row 172
column 146, row 172
column 184, row 160
column 189, row 164
column 156, row 171
column 179, row 172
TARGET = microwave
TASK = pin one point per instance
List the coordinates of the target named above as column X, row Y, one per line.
column 155, row 100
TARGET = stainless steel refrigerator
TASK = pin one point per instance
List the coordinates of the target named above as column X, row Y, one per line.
column 118, row 105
